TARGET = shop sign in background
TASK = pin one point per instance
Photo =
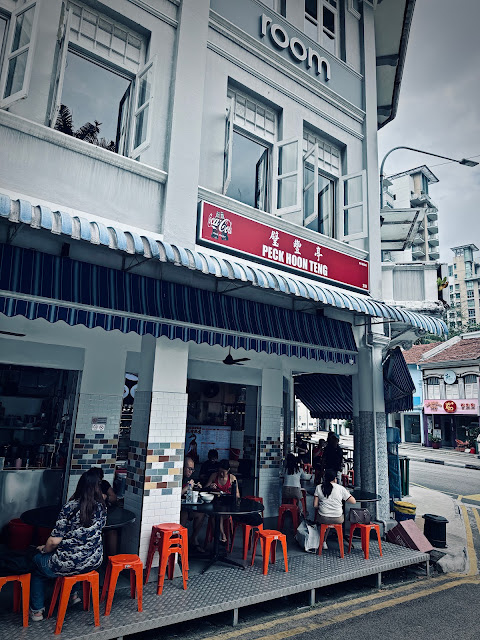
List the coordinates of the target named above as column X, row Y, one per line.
column 236, row 233
column 451, row 407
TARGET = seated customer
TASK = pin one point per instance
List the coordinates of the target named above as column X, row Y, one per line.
column 222, row 480
column 110, row 537
column 292, row 475
column 328, row 500
column 75, row 544
column 185, row 516
column 209, row 467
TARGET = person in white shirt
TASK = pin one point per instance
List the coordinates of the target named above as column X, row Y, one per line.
column 292, row 475
column 328, row 499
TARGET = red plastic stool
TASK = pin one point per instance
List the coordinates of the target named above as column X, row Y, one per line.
column 293, row 510
column 248, row 532
column 19, row 582
column 255, row 498
column 171, row 532
column 304, row 502
column 308, row 468
column 63, row 586
column 365, row 537
column 323, row 529
column 268, row 540
column 227, row 520
column 116, row 564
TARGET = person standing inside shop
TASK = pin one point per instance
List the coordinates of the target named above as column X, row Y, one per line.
column 198, row 518
column 209, row 467
column 333, row 455
column 75, row 544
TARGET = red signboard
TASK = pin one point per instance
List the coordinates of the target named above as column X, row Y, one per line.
column 236, row 233
column 468, row 407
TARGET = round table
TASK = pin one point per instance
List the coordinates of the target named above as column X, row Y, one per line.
column 220, row 507
column 46, row 517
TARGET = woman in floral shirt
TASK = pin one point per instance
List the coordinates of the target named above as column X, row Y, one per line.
column 75, row 544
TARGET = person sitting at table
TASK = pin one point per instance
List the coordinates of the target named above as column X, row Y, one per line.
column 185, row 516
column 302, row 449
column 222, row 480
column 209, row 467
column 75, row 544
column 328, row 500
column 292, row 475
column 110, row 497
column 317, row 459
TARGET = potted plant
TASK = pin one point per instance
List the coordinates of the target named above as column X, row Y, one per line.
column 436, row 442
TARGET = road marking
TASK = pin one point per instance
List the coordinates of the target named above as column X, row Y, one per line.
column 477, row 518
column 470, row 547
column 474, row 496
column 342, row 617
column 430, row 488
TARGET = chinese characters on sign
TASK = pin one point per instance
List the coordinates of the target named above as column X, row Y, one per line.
column 236, row 233
column 445, row 407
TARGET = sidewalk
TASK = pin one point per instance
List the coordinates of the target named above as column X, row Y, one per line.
column 447, row 457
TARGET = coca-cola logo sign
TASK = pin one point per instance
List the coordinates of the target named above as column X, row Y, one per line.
column 221, row 226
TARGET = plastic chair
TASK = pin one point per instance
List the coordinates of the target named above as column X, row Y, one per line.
column 63, row 587
column 116, row 564
column 308, row 468
column 365, row 530
column 19, row 582
column 248, row 530
column 293, row 510
column 171, row 531
column 268, row 540
column 323, row 529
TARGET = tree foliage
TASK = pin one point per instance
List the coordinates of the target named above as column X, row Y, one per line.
column 88, row 132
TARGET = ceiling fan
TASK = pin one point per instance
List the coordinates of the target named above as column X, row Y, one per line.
column 231, row 360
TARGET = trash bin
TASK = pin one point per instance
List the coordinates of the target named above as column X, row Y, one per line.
column 404, row 510
column 404, row 474
column 435, row 530
column 20, row 535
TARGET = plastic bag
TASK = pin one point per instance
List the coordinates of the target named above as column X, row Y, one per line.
column 308, row 536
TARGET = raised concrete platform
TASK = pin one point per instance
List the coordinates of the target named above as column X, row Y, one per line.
column 217, row 591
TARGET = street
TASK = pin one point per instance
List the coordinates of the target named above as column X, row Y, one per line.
column 453, row 481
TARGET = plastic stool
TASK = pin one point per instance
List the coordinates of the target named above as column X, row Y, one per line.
column 323, row 529
column 268, row 540
column 116, row 564
column 19, row 582
column 308, row 468
column 255, row 498
column 63, row 586
column 293, row 510
column 248, row 531
column 365, row 537
column 172, row 532
column 304, row 502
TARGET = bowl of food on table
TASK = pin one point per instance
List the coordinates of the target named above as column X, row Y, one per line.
column 206, row 497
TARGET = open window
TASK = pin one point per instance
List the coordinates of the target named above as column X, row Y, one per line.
column 321, row 23
column 354, row 211
column 19, row 52
column 228, row 149
column 288, row 191
column 96, row 51
column 318, row 195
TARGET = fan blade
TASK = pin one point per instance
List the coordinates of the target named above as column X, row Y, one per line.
column 240, row 360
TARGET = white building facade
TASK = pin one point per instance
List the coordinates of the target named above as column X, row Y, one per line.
column 179, row 179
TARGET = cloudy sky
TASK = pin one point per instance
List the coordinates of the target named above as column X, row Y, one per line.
column 439, row 111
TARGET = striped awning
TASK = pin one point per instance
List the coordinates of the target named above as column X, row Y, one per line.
column 132, row 243
column 398, row 385
column 40, row 285
column 324, row 395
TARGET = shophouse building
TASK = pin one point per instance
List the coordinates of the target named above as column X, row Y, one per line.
column 464, row 287
column 183, row 184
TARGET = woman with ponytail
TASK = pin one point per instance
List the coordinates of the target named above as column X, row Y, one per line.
column 328, row 499
column 75, row 544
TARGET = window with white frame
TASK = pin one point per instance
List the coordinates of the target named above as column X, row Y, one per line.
column 321, row 23
column 469, row 284
column 18, row 52
column 433, row 388
column 452, row 391
column 3, row 36
column 470, row 294
column 471, row 386
column 250, row 134
column 103, row 87
column 471, row 313
column 471, row 304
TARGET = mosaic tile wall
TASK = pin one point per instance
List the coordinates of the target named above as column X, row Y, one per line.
column 270, row 458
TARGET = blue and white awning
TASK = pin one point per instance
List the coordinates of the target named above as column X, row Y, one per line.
column 130, row 242
column 39, row 285
column 325, row 395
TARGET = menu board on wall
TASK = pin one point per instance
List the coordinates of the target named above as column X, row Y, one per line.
column 199, row 439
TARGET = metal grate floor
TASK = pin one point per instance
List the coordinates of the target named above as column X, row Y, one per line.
column 214, row 592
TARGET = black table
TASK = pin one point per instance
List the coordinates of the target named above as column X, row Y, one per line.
column 221, row 507
column 46, row 517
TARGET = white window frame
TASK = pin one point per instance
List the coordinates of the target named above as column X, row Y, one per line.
column 313, row 183
column 228, row 149
column 298, row 172
column 135, row 152
column 65, row 45
column 471, row 388
column 9, row 55
column 432, row 391
column 321, row 30
column 344, row 207
column 352, row 10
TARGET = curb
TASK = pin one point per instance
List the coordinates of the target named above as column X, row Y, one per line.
column 464, row 465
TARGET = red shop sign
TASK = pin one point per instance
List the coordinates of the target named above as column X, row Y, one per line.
column 234, row 232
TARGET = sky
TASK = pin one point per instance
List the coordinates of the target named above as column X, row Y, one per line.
column 439, row 111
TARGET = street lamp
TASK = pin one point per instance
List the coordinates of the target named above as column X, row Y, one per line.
column 465, row 161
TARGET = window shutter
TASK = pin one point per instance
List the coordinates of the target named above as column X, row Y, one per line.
column 228, row 149
column 19, row 52
column 142, row 109
column 288, row 188
column 62, row 50
column 310, row 188
column 353, row 218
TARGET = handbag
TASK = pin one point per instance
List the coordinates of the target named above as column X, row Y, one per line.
column 359, row 516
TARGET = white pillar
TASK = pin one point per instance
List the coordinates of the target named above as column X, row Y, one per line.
column 270, row 453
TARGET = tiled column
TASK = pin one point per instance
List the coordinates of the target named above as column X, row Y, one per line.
column 270, row 453
column 157, row 438
column 101, row 390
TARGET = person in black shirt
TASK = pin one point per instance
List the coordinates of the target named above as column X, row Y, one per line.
column 209, row 466
column 333, row 455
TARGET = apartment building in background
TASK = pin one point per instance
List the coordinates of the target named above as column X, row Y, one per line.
column 464, row 287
